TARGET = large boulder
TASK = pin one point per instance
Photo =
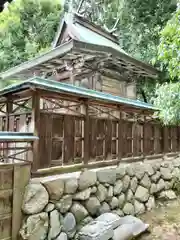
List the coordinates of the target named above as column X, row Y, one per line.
column 120, row 172
column 93, row 205
column 139, row 207
column 55, row 188
column 96, row 230
column 118, row 187
column 142, row 194
column 101, row 193
column 110, row 193
column 64, row 203
column 134, row 184
column 79, row 211
column 114, row 203
column 35, row 199
column 145, row 181
column 167, row 195
column 156, row 177
column 35, row 227
column 166, row 173
column 128, row 209
column 150, row 203
column 70, row 185
column 87, row 179
column 126, row 183
column 83, row 195
column 121, row 200
column 111, row 219
column 107, row 176
column 104, row 208
column 129, row 195
column 55, row 225
column 69, row 224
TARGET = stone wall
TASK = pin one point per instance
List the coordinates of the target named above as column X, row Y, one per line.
column 56, row 208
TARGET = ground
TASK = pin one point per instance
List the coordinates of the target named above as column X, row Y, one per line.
column 164, row 222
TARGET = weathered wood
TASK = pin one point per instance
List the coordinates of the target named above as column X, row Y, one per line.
column 86, row 133
column 36, row 121
column 22, row 174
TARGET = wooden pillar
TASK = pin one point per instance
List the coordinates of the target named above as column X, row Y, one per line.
column 144, row 150
column 86, row 133
column 120, row 135
column 9, row 109
column 165, row 137
column 36, row 121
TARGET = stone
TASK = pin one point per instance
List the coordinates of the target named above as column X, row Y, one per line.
column 169, row 184
column 62, row 236
column 176, row 173
column 79, row 211
column 150, row 203
column 96, row 230
column 94, row 189
column 55, row 225
column 139, row 207
column 101, row 193
column 107, row 176
column 87, row 179
column 160, row 185
column 110, row 193
column 167, row 195
column 130, row 171
column 129, row 196
column 156, row 166
column 118, row 187
column 35, row 199
column 142, row 194
column 128, row 209
column 93, row 205
column 70, row 185
column 104, row 208
column 121, row 200
column 156, row 177
column 126, row 183
column 50, row 207
column 153, row 188
column 165, row 173
column 119, row 212
column 106, row 185
column 84, row 222
column 64, row 204
column 149, row 169
column 83, row 195
column 145, row 181
column 120, row 172
column 111, row 219
column 176, row 162
column 130, row 224
column 133, row 184
column 114, row 203
column 55, row 188
column 139, row 170
column 35, row 227
column 69, row 224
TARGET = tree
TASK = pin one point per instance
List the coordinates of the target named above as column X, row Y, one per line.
column 168, row 101
column 27, row 27
column 168, row 95
column 169, row 47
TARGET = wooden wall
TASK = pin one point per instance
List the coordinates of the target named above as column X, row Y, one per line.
column 62, row 139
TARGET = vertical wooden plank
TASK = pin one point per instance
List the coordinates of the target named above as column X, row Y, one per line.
column 9, row 109
column 86, row 133
column 22, row 173
column 165, row 139
column 120, row 136
column 108, row 139
column 36, row 123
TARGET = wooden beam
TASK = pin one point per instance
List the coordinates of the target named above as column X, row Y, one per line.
column 36, row 121
column 120, row 135
column 86, row 133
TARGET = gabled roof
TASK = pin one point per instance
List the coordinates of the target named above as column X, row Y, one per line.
column 79, row 39
column 57, row 87
column 81, row 29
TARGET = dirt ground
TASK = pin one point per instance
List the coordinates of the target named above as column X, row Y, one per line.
column 164, row 222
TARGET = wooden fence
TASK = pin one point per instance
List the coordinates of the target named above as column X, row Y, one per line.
column 13, row 179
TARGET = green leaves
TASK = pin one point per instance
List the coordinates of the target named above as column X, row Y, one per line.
column 169, row 48
column 168, row 101
column 27, row 27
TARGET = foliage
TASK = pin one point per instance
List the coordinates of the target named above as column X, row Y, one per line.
column 168, row 101
column 27, row 27
column 169, row 48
